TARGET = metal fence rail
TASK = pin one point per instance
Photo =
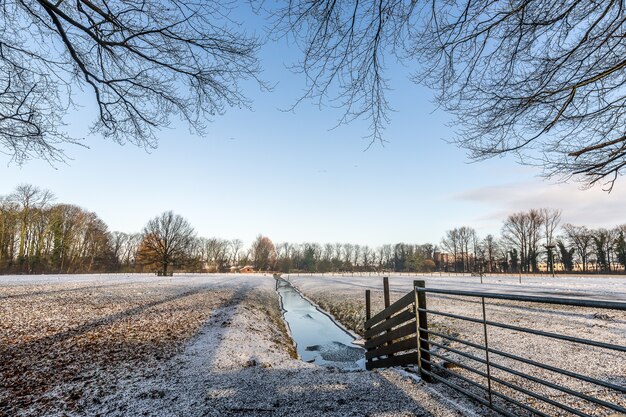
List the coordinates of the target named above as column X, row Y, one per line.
column 486, row 359
column 400, row 335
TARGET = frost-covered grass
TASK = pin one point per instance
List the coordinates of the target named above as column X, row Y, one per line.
column 344, row 297
column 194, row 345
column 54, row 332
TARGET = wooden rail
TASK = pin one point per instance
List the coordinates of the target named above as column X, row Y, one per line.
column 391, row 336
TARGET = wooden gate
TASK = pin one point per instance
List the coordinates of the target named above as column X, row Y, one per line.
column 391, row 335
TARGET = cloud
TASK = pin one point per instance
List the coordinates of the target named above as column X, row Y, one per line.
column 593, row 207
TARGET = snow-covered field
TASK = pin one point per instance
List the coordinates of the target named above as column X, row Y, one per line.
column 344, row 297
column 191, row 345
column 600, row 287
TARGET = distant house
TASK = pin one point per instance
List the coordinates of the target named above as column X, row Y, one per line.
column 246, row 269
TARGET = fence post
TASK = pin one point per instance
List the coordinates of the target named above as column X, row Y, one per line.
column 387, row 304
column 421, row 320
column 386, row 291
column 487, row 352
column 368, row 314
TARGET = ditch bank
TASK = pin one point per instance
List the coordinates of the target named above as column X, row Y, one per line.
column 318, row 338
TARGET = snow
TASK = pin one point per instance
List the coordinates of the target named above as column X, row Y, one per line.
column 238, row 362
column 214, row 344
column 587, row 286
column 609, row 326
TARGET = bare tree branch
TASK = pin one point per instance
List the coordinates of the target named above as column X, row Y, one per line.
column 541, row 79
column 143, row 62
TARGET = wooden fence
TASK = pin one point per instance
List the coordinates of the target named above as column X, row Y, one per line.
column 391, row 335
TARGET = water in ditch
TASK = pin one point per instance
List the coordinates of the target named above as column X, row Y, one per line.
column 318, row 338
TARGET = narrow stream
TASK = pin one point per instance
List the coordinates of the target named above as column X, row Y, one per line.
column 318, row 339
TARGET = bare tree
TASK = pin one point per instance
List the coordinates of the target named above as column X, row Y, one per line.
column 522, row 231
column 29, row 199
column 467, row 239
column 540, row 79
column 581, row 238
column 8, row 231
column 551, row 220
column 490, row 248
column 356, row 255
column 166, row 239
column 142, row 62
column 348, row 251
column 452, row 243
column 603, row 242
column 130, row 249
column 263, row 253
column 235, row 247
column 216, row 253
column 118, row 241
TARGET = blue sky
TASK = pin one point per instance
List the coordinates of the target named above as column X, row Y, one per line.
column 288, row 175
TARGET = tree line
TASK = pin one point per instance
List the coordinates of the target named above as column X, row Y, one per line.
column 534, row 241
column 38, row 235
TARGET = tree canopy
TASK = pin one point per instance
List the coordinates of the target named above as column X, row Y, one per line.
column 540, row 79
column 166, row 239
column 141, row 62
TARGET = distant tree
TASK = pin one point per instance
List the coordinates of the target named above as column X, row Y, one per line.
column 141, row 63
column 522, row 230
column 452, row 243
column 166, row 239
column 551, row 220
column 428, row 265
column 620, row 246
column 490, row 247
column 580, row 237
column 467, row 239
column 603, row 241
column 8, row 232
column 309, row 262
column 216, row 253
column 356, row 256
column 514, row 260
column 401, row 257
column 263, row 253
column 130, row 250
column 386, row 255
column 29, row 201
column 118, row 241
column 348, row 251
column 599, row 242
column 328, row 252
column 235, row 247
column 567, row 255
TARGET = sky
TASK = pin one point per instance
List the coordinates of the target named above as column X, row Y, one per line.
column 292, row 177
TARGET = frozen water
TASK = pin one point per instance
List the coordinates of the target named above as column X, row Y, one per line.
column 318, row 338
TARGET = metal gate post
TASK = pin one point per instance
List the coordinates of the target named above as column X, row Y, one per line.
column 487, row 352
column 421, row 321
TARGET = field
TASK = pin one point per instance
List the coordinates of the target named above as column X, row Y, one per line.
column 343, row 296
column 192, row 345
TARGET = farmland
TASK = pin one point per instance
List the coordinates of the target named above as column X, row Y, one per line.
column 216, row 345
column 191, row 345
